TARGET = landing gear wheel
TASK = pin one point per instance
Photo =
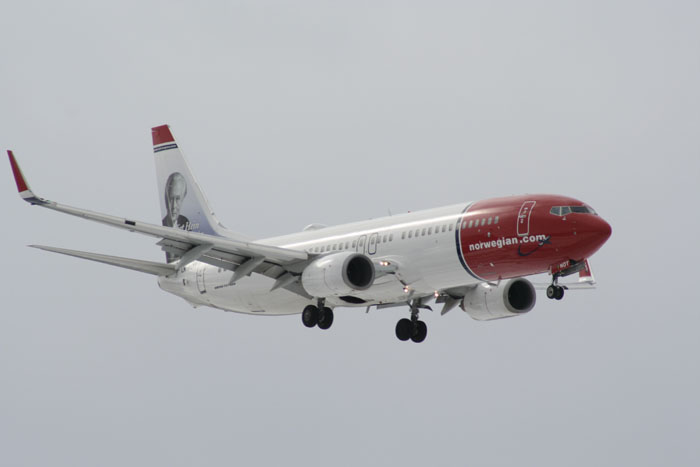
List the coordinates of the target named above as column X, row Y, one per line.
column 559, row 293
column 325, row 318
column 310, row 316
column 555, row 291
column 404, row 329
column 420, row 332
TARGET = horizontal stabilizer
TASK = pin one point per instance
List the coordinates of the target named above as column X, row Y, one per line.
column 149, row 267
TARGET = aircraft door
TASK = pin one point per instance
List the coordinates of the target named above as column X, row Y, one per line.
column 361, row 244
column 201, row 286
column 524, row 218
column 372, row 245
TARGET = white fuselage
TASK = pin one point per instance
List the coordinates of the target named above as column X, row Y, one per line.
column 427, row 262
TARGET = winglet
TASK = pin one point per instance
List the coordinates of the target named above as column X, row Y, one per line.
column 22, row 186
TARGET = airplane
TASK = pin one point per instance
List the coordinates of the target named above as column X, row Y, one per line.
column 473, row 255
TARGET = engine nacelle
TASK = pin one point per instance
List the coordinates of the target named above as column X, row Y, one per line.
column 338, row 274
column 486, row 302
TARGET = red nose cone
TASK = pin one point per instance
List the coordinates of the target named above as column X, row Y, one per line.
column 594, row 232
column 605, row 231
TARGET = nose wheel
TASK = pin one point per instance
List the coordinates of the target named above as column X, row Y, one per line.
column 555, row 292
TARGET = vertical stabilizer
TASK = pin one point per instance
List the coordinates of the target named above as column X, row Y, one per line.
column 182, row 202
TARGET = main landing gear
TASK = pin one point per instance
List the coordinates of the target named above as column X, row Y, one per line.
column 413, row 328
column 320, row 316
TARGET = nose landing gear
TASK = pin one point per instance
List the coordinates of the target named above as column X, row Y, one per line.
column 555, row 292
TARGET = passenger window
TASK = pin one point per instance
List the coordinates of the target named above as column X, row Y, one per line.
column 495, row 221
column 483, row 222
column 464, row 225
column 490, row 220
column 347, row 245
column 354, row 243
column 417, row 232
column 403, row 235
column 449, row 227
column 471, row 222
column 391, row 237
column 444, row 228
column 384, row 239
column 430, row 230
column 410, row 234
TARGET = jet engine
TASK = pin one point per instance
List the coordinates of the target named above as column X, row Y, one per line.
column 338, row 274
column 486, row 302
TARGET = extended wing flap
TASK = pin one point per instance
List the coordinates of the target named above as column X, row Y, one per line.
column 149, row 267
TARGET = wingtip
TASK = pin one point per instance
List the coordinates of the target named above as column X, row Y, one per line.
column 161, row 135
column 21, row 182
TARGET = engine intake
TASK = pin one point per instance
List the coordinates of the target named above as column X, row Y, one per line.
column 338, row 274
column 486, row 302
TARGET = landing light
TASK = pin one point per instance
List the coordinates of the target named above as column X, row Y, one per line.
column 406, row 289
column 436, row 294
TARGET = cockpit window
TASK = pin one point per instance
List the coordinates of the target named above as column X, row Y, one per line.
column 580, row 209
column 564, row 210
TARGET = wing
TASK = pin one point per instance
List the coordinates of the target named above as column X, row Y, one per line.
column 243, row 257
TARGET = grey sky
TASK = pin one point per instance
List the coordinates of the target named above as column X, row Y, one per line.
column 300, row 112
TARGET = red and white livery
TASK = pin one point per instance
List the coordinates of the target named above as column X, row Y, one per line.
column 474, row 255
